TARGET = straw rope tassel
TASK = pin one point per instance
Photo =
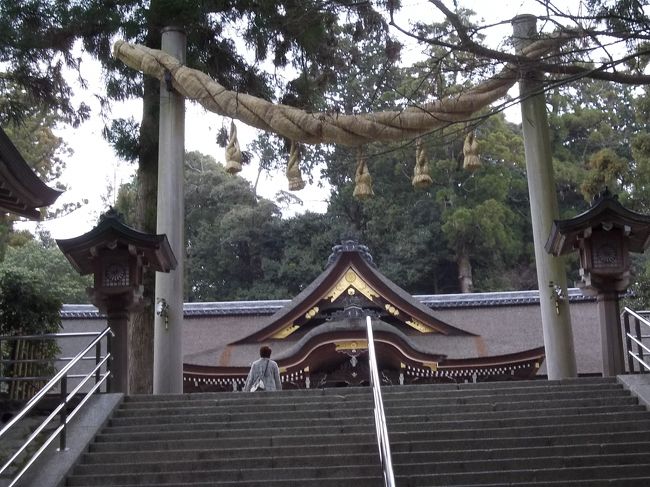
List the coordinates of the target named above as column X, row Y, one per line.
column 421, row 178
column 471, row 161
column 233, row 153
column 363, row 179
column 293, row 168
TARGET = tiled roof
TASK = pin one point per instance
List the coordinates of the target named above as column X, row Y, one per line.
column 505, row 298
column 258, row 308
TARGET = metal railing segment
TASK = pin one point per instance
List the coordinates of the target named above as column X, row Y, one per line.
column 380, row 416
column 63, row 410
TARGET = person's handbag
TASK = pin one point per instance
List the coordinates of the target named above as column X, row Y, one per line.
column 259, row 383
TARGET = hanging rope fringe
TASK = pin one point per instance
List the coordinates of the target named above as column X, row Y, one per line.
column 233, row 154
column 471, row 161
column 421, row 178
column 293, row 168
column 327, row 127
column 363, row 179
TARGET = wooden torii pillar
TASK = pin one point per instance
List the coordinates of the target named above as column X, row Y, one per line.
column 168, row 322
column 551, row 274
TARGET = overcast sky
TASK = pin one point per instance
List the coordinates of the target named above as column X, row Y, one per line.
column 93, row 167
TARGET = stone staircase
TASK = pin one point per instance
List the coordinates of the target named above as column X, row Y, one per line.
column 583, row 432
column 290, row 438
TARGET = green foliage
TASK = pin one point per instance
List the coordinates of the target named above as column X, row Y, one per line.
column 37, row 41
column 596, row 148
column 606, row 171
column 27, row 305
column 45, row 265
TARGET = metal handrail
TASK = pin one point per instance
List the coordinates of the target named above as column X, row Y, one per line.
column 636, row 338
column 380, row 416
column 61, row 410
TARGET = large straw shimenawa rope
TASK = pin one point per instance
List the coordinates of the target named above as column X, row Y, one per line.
column 330, row 128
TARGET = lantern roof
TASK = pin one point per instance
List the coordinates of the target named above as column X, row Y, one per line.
column 21, row 190
column 111, row 233
column 606, row 212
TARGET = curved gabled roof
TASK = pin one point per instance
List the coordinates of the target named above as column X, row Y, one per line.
column 605, row 209
column 21, row 191
column 351, row 273
column 110, row 230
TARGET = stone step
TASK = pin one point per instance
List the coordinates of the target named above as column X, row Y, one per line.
column 188, row 415
column 222, row 451
column 258, row 459
column 297, row 394
column 408, row 442
column 402, row 453
column 244, row 475
column 212, row 422
column 420, row 431
column 249, row 431
column 523, row 475
column 577, row 389
column 411, row 414
column 581, row 382
column 606, row 482
column 247, row 402
column 533, row 397
column 521, row 404
column 263, row 441
column 431, row 465
column 415, row 423
column 356, row 481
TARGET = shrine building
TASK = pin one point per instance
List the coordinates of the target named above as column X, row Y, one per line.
column 319, row 337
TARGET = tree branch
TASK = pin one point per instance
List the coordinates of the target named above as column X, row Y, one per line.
column 468, row 45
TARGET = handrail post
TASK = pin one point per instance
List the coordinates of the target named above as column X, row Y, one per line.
column 109, row 349
column 64, row 412
column 637, row 329
column 628, row 342
column 98, row 357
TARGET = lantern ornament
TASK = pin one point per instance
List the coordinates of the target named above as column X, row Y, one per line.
column 117, row 256
column 604, row 236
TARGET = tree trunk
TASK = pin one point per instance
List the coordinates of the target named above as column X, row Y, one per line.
column 141, row 325
column 465, row 273
column 5, row 231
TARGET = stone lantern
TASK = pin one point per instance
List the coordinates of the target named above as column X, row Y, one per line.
column 117, row 255
column 604, row 236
